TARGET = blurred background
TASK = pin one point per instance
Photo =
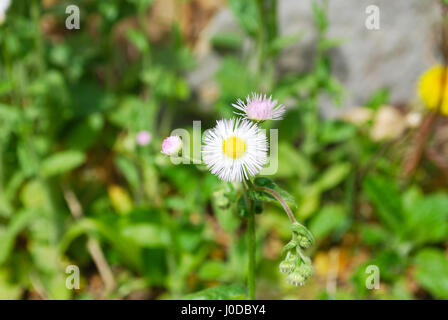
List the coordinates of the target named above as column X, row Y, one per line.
column 84, row 187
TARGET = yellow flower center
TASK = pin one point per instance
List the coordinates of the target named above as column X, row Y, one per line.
column 234, row 147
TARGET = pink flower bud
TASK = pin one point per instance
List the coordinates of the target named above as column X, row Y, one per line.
column 260, row 108
column 171, row 145
column 143, row 138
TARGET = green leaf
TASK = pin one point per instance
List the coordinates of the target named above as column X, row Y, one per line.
column 258, row 206
column 432, row 272
column 290, row 245
column 235, row 81
column 7, row 235
column 88, row 97
column 310, row 202
column 62, row 162
column 129, row 170
column 390, row 264
column 138, row 39
column 27, row 159
column 378, row 98
column 223, row 292
column 247, row 14
column 44, row 256
column 426, row 219
column 213, row 270
column 5, row 207
column 264, row 182
column 34, row 195
column 142, row 4
column 5, row 87
column 268, row 183
column 190, row 238
column 333, row 176
column 85, row 133
column 327, row 44
column 386, row 197
column 227, row 40
column 222, row 198
column 336, row 131
column 282, row 42
column 374, row 235
column 110, row 232
column 9, row 117
column 155, row 266
column 166, row 82
column 10, row 291
column 292, row 162
column 320, row 16
column 328, row 219
column 242, row 207
column 147, row 235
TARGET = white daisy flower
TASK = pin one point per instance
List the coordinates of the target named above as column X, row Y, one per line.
column 4, row 5
column 235, row 149
column 260, row 108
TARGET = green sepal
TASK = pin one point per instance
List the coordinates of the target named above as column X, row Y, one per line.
column 290, row 245
column 257, row 195
column 302, row 231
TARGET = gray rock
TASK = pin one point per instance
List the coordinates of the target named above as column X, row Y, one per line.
column 392, row 57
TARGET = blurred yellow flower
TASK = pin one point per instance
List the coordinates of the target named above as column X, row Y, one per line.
column 430, row 89
column 120, row 199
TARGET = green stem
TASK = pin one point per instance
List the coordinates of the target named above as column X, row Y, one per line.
column 251, row 253
column 251, row 245
column 38, row 43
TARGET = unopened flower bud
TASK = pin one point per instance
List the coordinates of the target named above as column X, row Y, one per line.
column 292, row 257
column 306, row 270
column 287, row 266
column 300, row 274
column 143, row 138
column 304, row 242
column 171, row 145
column 295, row 278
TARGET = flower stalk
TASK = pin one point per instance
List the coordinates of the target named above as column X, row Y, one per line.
column 251, row 241
column 277, row 196
column 252, row 252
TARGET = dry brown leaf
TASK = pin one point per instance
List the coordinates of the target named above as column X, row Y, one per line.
column 389, row 123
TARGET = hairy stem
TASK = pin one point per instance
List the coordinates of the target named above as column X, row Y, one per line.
column 277, row 196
